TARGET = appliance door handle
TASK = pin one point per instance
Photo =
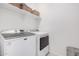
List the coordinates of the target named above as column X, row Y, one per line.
column 25, row 38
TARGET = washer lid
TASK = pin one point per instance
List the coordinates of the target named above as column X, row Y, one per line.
column 16, row 35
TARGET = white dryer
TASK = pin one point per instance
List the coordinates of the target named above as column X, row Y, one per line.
column 42, row 43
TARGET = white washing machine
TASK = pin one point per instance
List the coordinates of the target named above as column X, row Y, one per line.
column 42, row 43
column 13, row 45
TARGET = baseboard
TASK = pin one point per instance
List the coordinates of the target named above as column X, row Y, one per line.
column 54, row 53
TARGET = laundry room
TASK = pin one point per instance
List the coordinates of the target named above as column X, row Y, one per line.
column 39, row 29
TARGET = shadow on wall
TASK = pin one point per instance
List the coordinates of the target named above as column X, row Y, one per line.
column 61, row 21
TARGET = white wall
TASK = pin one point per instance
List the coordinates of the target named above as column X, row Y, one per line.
column 62, row 23
column 12, row 20
column 31, row 22
column 9, row 19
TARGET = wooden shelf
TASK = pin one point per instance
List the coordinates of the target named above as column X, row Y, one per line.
column 17, row 10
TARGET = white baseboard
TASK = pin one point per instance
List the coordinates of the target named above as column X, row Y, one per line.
column 54, row 53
